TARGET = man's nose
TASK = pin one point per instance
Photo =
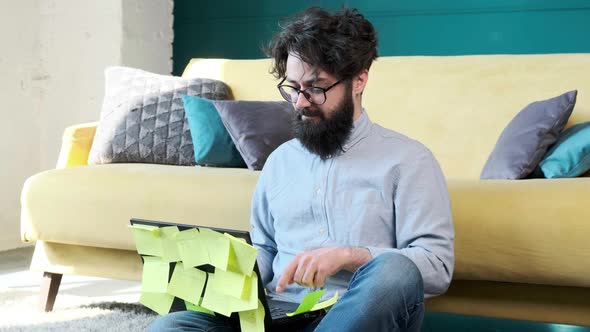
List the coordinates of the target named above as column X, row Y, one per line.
column 302, row 102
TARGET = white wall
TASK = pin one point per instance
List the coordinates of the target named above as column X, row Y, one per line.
column 53, row 56
column 20, row 91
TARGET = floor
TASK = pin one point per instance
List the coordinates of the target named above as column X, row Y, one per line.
column 15, row 274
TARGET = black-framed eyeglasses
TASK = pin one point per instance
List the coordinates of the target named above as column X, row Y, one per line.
column 314, row 95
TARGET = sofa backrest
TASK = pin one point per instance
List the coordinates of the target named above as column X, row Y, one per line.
column 456, row 105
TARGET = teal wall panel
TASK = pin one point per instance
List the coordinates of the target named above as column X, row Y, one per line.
column 238, row 29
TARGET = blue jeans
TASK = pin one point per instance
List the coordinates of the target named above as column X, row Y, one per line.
column 385, row 294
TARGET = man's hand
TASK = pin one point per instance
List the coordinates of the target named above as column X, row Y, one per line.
column 311, row 268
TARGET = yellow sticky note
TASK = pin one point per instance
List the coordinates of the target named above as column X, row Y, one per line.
column 147, row 239
column 218, row 247
column 230, row 283
column 194, row 307
column 155, row 275
column 308, row 302
column 169, row 247
column 244, row 255
column 158, row 302
column 192, row 248
column 325, row 304
column 225, row 304
column 252, row 320
column 187, row 284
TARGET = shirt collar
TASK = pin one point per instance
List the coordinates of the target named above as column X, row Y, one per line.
column 360, row 129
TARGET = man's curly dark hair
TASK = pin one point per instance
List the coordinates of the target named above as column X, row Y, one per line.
column 342, row 43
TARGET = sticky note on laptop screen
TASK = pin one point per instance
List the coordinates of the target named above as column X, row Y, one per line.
column 169, row 243
column 187, row 284
column 242, row 255
column 218, row 247
column 147, row 239
column 192, row 249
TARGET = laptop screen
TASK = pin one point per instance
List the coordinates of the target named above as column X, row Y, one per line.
column 178, row 304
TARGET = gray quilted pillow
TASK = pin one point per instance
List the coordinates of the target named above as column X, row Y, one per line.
column 142, row 118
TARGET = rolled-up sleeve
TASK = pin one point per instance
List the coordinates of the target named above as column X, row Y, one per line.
column 423, row 221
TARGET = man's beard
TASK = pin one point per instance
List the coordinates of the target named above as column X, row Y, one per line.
column 326, row 136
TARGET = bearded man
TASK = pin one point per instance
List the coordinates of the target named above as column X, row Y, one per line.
column 347, row 204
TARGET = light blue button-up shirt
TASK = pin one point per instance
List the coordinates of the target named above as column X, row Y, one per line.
column 384, row 192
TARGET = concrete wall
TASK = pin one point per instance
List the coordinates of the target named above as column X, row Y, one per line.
column 54, row 55
column 20, row 93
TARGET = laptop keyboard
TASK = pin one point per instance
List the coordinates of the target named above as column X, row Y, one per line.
column 278, row 312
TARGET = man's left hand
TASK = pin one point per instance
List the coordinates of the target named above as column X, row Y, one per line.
column 311, row 268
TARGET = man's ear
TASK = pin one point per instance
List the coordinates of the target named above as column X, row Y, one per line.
column 359, row 82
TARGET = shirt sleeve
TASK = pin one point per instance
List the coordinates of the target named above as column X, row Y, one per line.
column 424, row 226
column 262, row 231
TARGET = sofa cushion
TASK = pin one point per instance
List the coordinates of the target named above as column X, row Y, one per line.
column 256, row 127
column 142, row 118
column 212, row 144
column 570, row 156
column 94, row 204
column 525, row 140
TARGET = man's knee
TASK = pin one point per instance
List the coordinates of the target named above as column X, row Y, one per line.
column 396, row 275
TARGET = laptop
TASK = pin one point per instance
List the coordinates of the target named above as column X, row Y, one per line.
column 275, row 311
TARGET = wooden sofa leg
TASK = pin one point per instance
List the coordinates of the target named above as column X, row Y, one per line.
column 49, row 288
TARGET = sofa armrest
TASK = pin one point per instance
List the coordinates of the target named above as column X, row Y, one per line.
column 528, row 231
column 76, row 143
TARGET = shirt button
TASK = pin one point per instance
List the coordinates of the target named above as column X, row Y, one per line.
column 318, row 191
column 321, row 231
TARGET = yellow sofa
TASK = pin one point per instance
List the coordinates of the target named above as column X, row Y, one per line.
column 522, row 247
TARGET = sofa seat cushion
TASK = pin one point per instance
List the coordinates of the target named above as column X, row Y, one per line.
column 92, row 205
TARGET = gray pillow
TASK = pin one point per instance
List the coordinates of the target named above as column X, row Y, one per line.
column 257, row 128
column 525, row 140
column 142, row 118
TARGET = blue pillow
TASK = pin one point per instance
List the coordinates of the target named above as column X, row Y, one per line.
column 211, row 142
column 570, row 156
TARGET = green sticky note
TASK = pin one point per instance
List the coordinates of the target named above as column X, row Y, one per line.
column 308, row 302
column 147, row 239
column 252, row 320
column 230, row 283
column 218, row 247
column 194, row 307
column 242, row 256
column 325, row 304
column 187, row 284
column 155, row 275
column 225, row 304
column 158, row 302
column 192, row 249
column 169, row 247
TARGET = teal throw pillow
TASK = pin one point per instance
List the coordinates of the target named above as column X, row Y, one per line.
column 570, row 156
column 212, row 143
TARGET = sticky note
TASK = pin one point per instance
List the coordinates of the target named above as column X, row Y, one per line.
column 195, row 307
column 218, row 247
column 242, row 255
column 192, row 248
column 169, row 247
column 230, row 283
column 155, row 275
column 223, row 304
column 147, row 239
column 158, row 302
column 308, row 302
column 252, row 320
column 187, row 284
column 325, row 304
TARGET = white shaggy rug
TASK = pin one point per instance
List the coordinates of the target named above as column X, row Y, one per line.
column 18, row 312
